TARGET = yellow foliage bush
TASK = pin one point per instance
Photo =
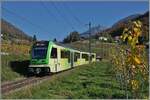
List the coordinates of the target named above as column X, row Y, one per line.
column 129, row 61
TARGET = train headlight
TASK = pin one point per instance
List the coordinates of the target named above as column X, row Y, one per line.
column 38, row 70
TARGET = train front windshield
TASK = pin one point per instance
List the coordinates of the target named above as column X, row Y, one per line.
column 39, row 50
column 39, row 53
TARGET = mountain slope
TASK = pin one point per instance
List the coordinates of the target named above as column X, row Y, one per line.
column 117, row 28
column 94, row 31
column 145, row 21
column 13, row 34
column 126, row 19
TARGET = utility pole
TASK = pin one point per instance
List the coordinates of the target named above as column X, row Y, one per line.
column 90, row 42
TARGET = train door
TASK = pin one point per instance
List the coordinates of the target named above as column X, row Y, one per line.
column 54, row 56
column 71, row 59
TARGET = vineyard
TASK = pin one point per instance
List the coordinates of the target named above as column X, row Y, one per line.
column 16, row 49
column 14, row 64
column 130, row 60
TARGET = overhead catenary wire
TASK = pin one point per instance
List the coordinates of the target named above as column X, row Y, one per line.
column 49, row 11
column 64, row 18
column 68, row 9
column 53, row 16
column 26, row 20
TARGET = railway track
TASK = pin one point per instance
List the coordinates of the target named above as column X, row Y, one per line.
column 16, row 85
column 12, row 86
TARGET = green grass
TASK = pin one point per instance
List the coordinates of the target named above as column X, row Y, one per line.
column 87, row 81
column 13, row 67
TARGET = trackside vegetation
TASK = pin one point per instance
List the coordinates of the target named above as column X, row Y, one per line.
column 94, row 80
column 13, row 67
column 131, row 63
column 14, row 63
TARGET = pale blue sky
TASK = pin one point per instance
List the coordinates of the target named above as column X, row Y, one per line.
column 49, row 20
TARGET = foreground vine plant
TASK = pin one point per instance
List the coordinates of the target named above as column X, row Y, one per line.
column 129, row 61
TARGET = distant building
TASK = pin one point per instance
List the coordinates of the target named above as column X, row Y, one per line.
column 1, row 35
column 103, row 38
column 117, row 38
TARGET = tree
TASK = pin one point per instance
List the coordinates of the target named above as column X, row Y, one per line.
column 72, row 37
column 55, row 40
column 130, row 61
column 34, row 38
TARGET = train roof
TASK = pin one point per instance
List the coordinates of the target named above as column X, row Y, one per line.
column 68, row 46
column 64, row 45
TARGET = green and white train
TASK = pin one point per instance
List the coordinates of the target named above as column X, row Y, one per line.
column 51, row 57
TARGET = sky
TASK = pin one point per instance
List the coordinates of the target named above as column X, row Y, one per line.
column 49, row 20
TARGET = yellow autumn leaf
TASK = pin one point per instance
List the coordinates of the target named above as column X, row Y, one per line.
column 135, row 24
column 130, row 32
column 125, row 36
column 133, row 66
column 137, row 41
column 125, row 30
column 121, row 36
column 137, row 60
column 135, row 84
column 135, row 30
column 129, row 38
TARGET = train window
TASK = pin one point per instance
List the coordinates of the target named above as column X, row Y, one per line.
column 54, row 53
column 76, row 56
column 91, row 57
column 85, row 56
column 65, row 54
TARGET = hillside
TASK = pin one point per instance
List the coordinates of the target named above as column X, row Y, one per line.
column 126, row 19
column 118, row 27
column 15, row 49
column 94, row 31
column 11, row 33
column 145, row 21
